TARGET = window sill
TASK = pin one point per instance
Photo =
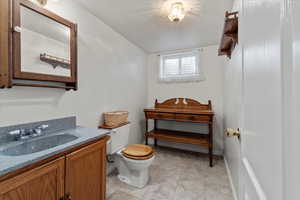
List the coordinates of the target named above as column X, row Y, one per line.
column 182, row 79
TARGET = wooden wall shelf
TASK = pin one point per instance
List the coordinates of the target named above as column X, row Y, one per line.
column 230, row 34
column 113, row 127
column 55, row 61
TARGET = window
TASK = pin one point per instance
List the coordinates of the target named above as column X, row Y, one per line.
column 180, row 67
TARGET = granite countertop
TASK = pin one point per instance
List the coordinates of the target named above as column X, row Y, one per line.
column 11, row 163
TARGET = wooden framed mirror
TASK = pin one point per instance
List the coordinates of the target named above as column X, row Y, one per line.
column 44, row 45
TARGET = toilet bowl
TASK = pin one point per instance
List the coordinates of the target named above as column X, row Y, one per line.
column 132, row 161
column 133, row 172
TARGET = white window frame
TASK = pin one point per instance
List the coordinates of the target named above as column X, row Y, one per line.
column 197, row 76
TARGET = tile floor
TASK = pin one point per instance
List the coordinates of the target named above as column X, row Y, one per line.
column 177, row 175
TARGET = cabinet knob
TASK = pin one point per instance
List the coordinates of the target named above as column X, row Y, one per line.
column 17, row 29
column 68, row 197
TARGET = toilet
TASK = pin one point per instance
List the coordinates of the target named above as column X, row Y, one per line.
column 131, row 160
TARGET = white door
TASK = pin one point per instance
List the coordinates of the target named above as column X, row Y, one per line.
column 291, row 72
column 261, row 141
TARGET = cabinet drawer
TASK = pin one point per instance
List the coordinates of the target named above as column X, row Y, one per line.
column 192, row 118
column 163, row 116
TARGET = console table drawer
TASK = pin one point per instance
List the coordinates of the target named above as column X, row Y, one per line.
column 163, row 116
column 192, row 118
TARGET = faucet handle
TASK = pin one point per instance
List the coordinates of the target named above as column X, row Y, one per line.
column 15, row 132
column 39, row 130
column 19, row 134
column 43, row 126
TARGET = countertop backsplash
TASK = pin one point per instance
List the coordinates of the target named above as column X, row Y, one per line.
column 55, row 125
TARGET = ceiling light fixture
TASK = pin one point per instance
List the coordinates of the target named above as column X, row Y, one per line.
column 176, row 12
column 42, row 2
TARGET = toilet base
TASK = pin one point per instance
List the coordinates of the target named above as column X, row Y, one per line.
column 124, row 179
column 137, row 179
column 133, row 172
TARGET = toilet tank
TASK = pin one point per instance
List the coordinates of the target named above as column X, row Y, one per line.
column 119, row 138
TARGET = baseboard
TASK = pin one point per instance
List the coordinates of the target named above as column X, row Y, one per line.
column 234, row 192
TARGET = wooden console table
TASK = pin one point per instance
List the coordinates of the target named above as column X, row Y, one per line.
column 182, row 110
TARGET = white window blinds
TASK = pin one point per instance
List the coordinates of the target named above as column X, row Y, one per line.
column 180, row 67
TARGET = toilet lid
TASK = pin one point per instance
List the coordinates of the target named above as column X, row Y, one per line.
column 139, row 157
column 138, row 151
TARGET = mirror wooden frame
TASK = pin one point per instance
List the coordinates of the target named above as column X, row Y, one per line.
column 16, row 44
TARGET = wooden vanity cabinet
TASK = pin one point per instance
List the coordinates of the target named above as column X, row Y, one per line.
column 77, row 175
column 86, row 173
column 42, row 183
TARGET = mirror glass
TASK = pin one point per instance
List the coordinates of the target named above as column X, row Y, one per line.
column 45, row 45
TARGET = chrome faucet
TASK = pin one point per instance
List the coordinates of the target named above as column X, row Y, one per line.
column 24, row 134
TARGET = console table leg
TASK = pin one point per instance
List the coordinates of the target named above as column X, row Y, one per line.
column 210, row 157
column 146, row 138
column 210, row 145
column 146, row 141
column 155, row 127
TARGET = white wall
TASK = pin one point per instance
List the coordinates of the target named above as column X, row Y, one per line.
column 209, row 89
column 232, row 114
column 112, row 74
column 233, row 70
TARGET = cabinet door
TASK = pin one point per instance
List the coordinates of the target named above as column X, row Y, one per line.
column 42, row 183
column 86, row 173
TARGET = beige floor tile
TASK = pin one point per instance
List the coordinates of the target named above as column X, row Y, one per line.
column 177, row 175
column 220, row 194
column 120, row 195
column 160, row 191
column 189, row 190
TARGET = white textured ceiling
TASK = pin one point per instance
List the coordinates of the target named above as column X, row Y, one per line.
column 145, row 22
